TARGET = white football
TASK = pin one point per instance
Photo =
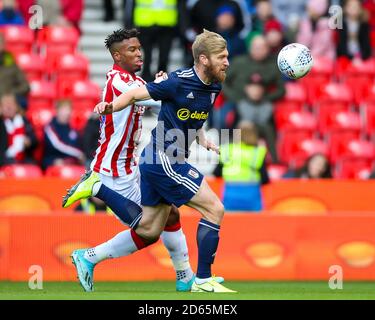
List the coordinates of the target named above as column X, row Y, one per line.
column 294, row 60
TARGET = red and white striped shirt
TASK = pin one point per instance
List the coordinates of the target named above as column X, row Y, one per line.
column 120, row 131
column 16, row 137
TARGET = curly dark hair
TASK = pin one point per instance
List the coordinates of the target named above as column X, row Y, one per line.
column 118, row 36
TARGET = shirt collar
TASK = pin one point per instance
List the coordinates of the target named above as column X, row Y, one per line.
column 196, row 73
column 118, row 68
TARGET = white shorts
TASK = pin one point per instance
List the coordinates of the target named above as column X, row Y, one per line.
column 128, row 186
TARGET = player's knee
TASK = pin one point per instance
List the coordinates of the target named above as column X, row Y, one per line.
column 215, row 212
column 174, row 217
column 219, row 210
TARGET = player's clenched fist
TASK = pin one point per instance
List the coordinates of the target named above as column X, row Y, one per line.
column 212, row 146
column 104, row 108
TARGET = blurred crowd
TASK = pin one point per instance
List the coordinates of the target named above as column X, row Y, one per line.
column 255, row 32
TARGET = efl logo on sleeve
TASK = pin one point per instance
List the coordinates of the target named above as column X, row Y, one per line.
column 194, row 174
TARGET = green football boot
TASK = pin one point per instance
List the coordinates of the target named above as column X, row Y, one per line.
column 82, row 189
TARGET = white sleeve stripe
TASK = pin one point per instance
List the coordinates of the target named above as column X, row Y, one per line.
column 61, row 146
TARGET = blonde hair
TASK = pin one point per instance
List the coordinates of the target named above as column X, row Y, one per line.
column 208, row 43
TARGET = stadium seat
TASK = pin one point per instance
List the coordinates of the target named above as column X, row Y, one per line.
column 366, row 91
column 65, row 171
column 336, row 138
column 356, row 149
column 313, row 87
column 295, row 120
column 40, row 117
column 320, row 73
column 79, row 118
column 295, row 92
column 287, row 140
column 52, row 55
column 69, row 69
column 359, row 68
column 21, row 171
column 300, row 151
column 325, row 110
column 342, row 64
column 338, row 120
column 54, row 42
column 334, row 92
column 276, row 171
column 18, row 39
column 32, row 65
column 294, row 99
column 323, row 67
column 74, row 65
column 369, row 118
column 85, row 95
column 353, row 169
column 363, row 89
column 82, row 92
column 284, row 106
column 42, row 94
column 58, row 36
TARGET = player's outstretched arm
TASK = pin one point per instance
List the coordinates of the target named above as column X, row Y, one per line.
column 122, row 101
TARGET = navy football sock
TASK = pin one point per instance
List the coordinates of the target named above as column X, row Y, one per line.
column 128, row 211
column 207, row 240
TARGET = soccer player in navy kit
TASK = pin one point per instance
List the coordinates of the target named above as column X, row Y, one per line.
column 166, row 178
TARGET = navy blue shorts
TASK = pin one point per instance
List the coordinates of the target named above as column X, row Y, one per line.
column 166, row 182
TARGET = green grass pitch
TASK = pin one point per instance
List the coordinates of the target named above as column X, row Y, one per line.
column 164, row 290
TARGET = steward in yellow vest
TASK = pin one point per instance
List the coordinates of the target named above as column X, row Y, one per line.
column 149, row 13
column 242, row 166
column 159, row 22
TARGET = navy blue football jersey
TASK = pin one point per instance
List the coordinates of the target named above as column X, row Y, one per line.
column 186, row 104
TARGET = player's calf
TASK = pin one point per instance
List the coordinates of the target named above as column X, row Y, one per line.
column 153, row 221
